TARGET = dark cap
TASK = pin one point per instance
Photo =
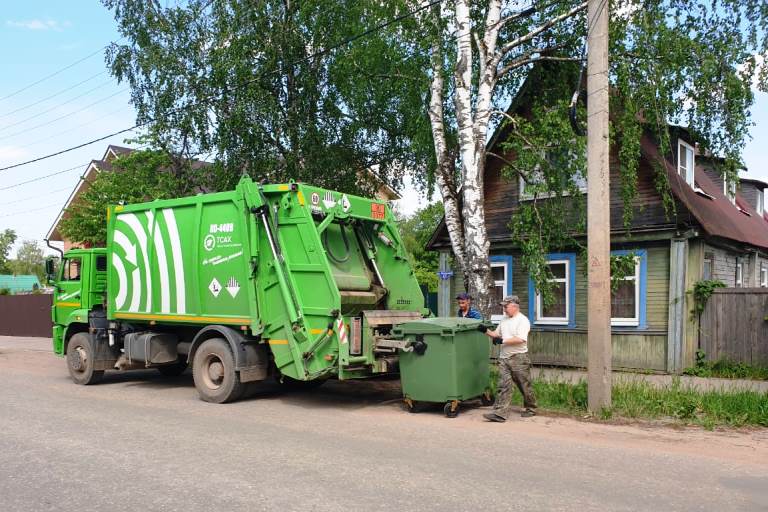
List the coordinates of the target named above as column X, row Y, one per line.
column 463, row 296
column 510, row 299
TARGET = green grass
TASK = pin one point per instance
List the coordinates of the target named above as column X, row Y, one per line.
column 673, row 403
column 727, row 370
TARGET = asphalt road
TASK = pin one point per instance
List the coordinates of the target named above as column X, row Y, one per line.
column 139, row 441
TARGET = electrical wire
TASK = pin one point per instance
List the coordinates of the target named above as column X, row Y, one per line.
column 55, row 73
column 315, row 55
column 30, row 211
column 77, row 127
column 37, row 196
column 7, row 187
column 47, row 123
column 59, row 105
column 62, row 91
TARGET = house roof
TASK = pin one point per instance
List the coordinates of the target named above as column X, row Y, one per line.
column 757, row 183
column 20, row 283
column 94, row 167
column 716, row 214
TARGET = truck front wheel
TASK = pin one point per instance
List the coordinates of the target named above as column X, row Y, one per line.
column 80, row 359
column 213, row 370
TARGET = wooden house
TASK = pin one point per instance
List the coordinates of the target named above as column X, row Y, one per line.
column 716, row 232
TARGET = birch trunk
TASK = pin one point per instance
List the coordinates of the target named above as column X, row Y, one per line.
column 467, row 229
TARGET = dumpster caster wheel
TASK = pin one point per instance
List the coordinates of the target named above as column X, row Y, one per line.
column 451, row 409
column 410, row 405
column 486, row 399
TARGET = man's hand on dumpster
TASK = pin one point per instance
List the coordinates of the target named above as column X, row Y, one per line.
column 482, row 328
column 497, row 341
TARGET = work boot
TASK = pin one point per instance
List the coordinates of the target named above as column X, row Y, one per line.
column 492, row 416
column 528, row 413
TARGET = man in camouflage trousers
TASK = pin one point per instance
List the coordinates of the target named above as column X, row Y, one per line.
column 514, row 363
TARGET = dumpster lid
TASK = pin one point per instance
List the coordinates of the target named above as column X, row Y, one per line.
column 437, row 325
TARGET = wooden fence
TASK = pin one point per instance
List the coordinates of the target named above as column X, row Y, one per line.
column 733, row 326
column 25, row 315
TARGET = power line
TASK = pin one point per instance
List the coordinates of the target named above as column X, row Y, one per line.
column 62, row 91
column 74, row 128
column 100, row 86
column 14, row 93
column 44, row 177
column 37, row 196
column 29, row 211
column 102, row 100
column 319, row 53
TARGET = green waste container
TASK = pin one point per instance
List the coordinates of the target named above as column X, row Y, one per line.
column 444, row 360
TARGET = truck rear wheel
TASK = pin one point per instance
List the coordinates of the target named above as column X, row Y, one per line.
column 213, row 370
column 80, row 359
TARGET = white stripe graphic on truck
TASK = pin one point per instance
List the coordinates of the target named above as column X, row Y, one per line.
column 122, row 287
column 138, row 231
column 178, row 261
column 162, row 264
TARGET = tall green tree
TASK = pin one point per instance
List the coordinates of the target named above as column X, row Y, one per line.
column 7, row 239
column 251, row 85
column 30, row 260
column 415, row 230
column 136, row 177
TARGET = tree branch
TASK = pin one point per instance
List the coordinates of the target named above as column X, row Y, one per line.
column 538, row 30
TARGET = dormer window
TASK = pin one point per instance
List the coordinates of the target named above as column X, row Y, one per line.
column 685, row 161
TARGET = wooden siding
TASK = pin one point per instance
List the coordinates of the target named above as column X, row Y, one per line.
column 647, row 350
column 733, row 326
column 749, row 192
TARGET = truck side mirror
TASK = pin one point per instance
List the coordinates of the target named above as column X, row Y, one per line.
column 49, row 274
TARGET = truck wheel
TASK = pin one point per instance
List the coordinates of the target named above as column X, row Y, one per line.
column 80, row 360
column 174, row 369
column 213, row 370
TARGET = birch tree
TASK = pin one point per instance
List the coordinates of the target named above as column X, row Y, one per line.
column 482, row 61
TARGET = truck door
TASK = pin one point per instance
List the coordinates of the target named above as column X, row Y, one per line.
column 69, row 288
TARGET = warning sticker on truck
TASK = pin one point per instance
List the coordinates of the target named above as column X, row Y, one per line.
column 378, row 210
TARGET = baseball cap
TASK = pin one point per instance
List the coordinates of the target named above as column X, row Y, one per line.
column 510, row 299
column 463, row 296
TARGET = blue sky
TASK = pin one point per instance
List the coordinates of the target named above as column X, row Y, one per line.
column 39, row 38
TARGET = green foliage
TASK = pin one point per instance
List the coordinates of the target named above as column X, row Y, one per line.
column 7, row 239
column 622, row 266
column 641, row 400
column 136, row 177
column 238, row 80
column 702, row 290
column 415, row 232
column 726, row 369
column 5, row 291
column 29, row 260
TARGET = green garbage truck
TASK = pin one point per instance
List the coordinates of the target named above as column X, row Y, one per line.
column 285, row 281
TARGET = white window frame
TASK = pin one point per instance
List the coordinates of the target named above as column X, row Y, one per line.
column 496, row 318
column 739, row 273
column 635, row 321
column 538, row 304
column 683, row 171
column 760, row 206
column 763, row 276
column 709, row 257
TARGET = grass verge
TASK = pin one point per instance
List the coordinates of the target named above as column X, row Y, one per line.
column 640, row 400
column 727, row 370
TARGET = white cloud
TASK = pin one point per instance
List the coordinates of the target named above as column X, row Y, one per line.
column 37, row 24
column 10, row 154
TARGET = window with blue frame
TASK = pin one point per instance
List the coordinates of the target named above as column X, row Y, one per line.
column 628, row 299
column 561, row 310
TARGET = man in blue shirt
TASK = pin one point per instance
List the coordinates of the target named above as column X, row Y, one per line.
column 465, row 307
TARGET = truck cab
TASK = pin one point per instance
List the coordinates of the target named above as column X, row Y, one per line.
column 79, row 294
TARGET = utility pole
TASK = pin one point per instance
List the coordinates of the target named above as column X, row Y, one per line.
column 599, row 348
